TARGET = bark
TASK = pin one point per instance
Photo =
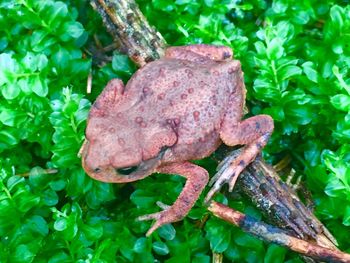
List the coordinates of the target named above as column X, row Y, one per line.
column 130, row 30
column 259, row 182
column 276, row 235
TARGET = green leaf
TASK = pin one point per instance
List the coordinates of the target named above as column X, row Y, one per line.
column 38, row 85
column 275, row 49
column 167, row 232
column 22, row 253
column 340, row 102
column 10, row 91
column 218, row 236
column 8, row 63
column 160, row 248
column 346, row 217
column 50, row 198
column 275, row 254
column 336, row 14
column 7, row 116
column 38, row 225
column 141, row 198
column 289, row 72
column 141, row 245
column 310, row 71
column 200, row 258
column 60, row 224
column 121, row 64
column 74, row 29
column 93, row 232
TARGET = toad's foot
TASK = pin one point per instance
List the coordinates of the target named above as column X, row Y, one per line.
column 162, row 218
column 196, row 177
column 254, row 133
column 226, row 174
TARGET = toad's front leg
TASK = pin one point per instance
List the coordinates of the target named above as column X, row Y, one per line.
column 254, row 133
column 197, row 178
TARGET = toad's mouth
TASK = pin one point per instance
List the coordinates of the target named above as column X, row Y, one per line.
column 124, row 174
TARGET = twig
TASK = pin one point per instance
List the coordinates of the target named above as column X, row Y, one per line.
column 130, row 29
column 275, row 235
column 43, row 171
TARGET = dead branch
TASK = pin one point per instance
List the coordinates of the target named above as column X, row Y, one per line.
column 275, row 235
column 130, row 30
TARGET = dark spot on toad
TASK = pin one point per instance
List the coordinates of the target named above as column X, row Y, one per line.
column 257, row 125
column 161, row 96
column 183, row 96
column 176, row 83
column 214, row 100
column 97, row 170
column 138, row 119
column 189, row 73
column 231, row 70
column 196, row 115
column 146, row 90
column 241, row 163
column 190, row 90
column 111, row 130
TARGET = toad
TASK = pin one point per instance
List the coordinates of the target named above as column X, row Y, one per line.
column 173, row 110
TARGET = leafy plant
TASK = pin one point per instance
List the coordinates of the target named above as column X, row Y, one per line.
column 296, row 60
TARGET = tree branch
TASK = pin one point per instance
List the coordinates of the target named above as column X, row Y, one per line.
column 275, row 235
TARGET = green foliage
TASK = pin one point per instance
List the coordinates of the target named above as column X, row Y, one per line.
column 296, row 59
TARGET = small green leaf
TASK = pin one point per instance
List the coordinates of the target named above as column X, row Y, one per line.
column 74, row 29
column 121, row 64
column 22, row 253
column 275, row 254
column 38, row 85
column 167, row 232
column 38, row 224
column 160, row 248
column 7, row 116
column 346, row 217
column 93, row 232
column 60, row 224
column 275, row 49
column 200, row 258
column 310, row 71
column 140, row 245
column 50, row 197
column 340, row 102
column 336, row 14
column 289, row 71
column 11, row 90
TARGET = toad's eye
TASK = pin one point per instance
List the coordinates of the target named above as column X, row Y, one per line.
column 97, row 170
column 126, row 170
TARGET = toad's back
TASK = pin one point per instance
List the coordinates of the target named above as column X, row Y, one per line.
column 190, row 97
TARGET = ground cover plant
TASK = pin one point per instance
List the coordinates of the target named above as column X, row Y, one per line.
column 296, row 59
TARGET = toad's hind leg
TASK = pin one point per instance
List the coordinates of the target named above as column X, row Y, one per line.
column 197, row 178
column 254, row 133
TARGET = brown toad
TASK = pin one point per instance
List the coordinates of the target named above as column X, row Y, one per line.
column 173, row 110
